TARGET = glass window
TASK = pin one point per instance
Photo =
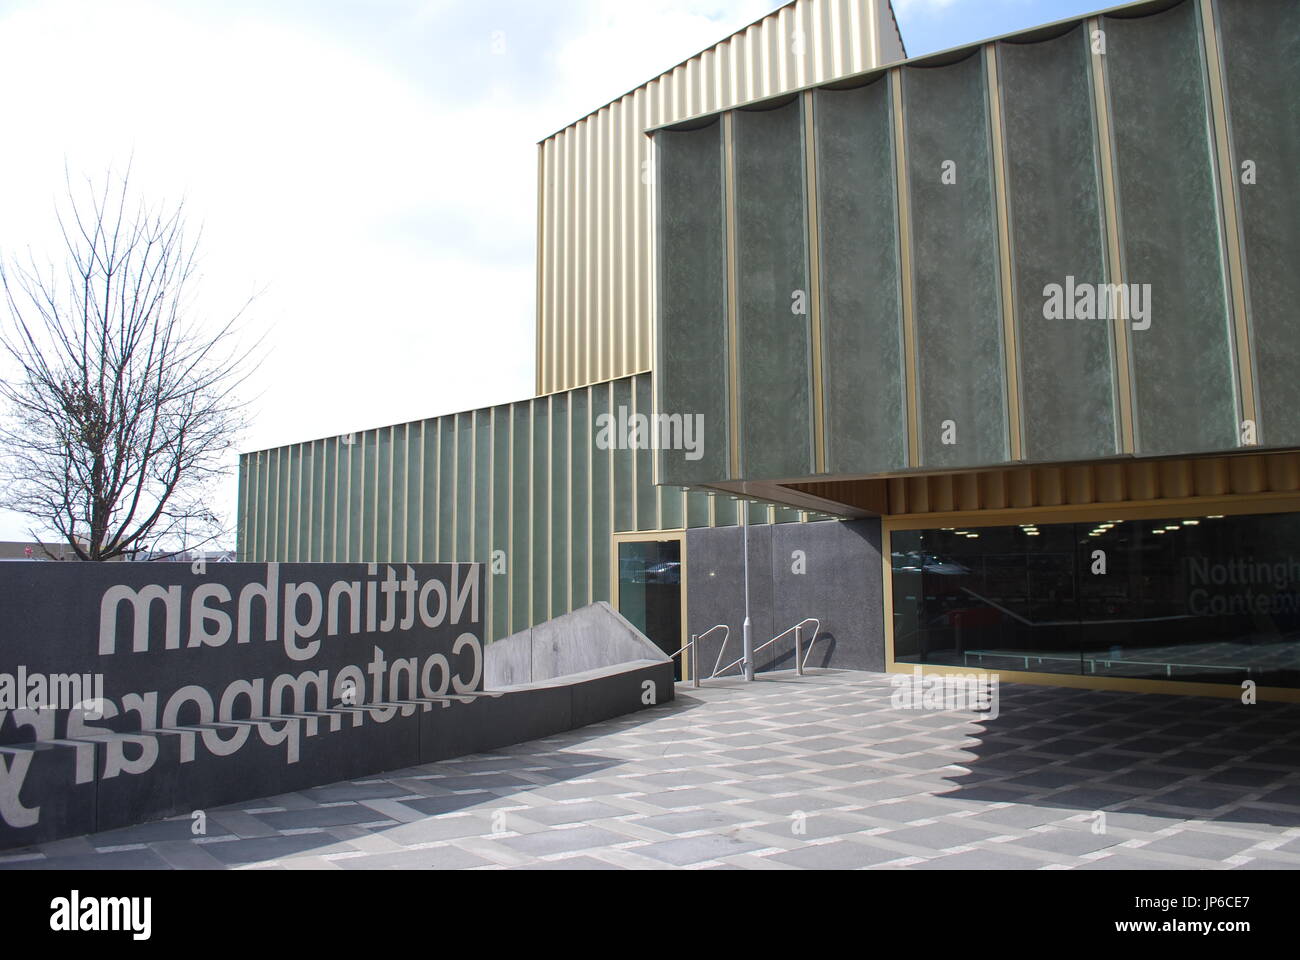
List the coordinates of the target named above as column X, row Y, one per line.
column 1193, row 598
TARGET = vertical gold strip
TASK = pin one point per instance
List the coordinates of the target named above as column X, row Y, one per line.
column 473, row 485
column 1233, row 240
column 814, row 283
column 1114, row 254
column 905, row 267
column 392, row 483
column 311, row 507
column 423, row 467
column 733, row 343
column 295, row 480
column 541, row 312
column 406, row 493
column 438, row 555
column 347, row 507
column 455, row 488
column 1010, row 340
column 358, row 445
column 876, row 24
column 511, row 560
column 374, row 508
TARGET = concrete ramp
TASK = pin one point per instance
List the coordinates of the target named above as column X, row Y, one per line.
column 580, row 668
column 594, row 637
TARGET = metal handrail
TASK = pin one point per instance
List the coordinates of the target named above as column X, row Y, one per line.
column 695, row 656
column 800, row 658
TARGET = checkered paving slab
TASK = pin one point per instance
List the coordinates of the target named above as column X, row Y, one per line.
column 789, row 772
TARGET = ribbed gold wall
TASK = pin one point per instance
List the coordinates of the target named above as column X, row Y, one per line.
column 595, row 266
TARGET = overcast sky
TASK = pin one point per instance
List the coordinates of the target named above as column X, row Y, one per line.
column 367, row 169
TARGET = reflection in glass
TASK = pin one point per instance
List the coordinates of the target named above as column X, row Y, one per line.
column 650, row 592
column 1206, row 599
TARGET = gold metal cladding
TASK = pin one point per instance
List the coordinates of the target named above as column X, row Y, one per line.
column 733, row 344
column 1114, row 255
column 1227, row 183
column 594, row 254
column 905, row 268
column 1010, row 339
column 814, row 284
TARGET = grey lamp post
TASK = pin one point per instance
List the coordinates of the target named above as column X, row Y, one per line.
column 746, row 632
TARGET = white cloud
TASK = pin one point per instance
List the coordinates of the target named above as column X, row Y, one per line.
column 389, row 223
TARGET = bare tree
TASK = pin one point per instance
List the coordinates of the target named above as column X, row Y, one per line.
column 124, row 407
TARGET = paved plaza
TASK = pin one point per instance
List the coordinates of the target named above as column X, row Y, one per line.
column 793, row 772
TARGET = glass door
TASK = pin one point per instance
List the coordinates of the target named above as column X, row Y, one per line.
column 650, row 591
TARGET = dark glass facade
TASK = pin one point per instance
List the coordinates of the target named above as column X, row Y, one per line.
column 1191, row 598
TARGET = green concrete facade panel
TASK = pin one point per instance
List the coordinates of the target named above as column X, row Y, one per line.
column 1260, row 41
column 1184, row 378
column 961, row 403
column 773, row 297
column 580, row 454
column 558, row 561
column 356, row 490
column 500, row 563
column 623, row 492
column 465, row 487
column 310, row 521
column 446, row 489
column 647, row 497
column 1057, row 231
column 538, row 555
column 521, row 517
column 697, row 509
column 726, row 511
column 481, row 488
column 329, row 497
column 288, row 499
column 369, row 522
column 414, row 537
column 429, row 492
column 601, row 492
column 384, row 505
column 862, row 333
column 692, row 366
column 672, row 508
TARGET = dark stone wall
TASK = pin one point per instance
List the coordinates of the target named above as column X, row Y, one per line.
column 840, row 584
column 130, row 756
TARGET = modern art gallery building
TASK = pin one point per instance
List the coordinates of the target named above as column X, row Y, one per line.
column 991, row 356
